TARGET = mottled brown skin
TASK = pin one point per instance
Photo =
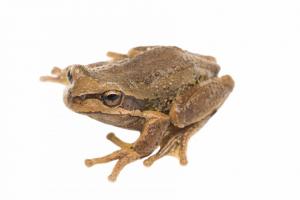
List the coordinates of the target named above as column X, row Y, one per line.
column 165, row 93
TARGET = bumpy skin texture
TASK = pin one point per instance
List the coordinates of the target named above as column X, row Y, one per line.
column 165, row 93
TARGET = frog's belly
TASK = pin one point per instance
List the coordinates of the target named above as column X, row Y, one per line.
column 123, row 121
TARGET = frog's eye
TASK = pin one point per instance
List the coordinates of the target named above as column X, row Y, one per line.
column 69, row 76
column 112, row 98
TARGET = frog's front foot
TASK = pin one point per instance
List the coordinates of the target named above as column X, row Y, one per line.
column 147, row 142
column 124, row 157
column 59, row 76
column 114, row 139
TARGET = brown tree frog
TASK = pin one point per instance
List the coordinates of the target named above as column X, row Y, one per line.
column 164, row 92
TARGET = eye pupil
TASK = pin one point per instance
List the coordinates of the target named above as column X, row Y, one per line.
column 69, row 76
column 112, row 98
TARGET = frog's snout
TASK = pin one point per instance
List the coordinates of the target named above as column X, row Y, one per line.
column 228, row 82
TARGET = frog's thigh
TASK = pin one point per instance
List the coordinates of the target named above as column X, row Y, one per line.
column 198, row 102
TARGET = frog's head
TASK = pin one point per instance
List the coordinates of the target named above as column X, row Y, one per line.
column 87, row 94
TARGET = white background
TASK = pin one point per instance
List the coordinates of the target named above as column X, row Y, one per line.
column 249, row 150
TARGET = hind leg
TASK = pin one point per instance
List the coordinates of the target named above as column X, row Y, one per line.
column 138, row 50
column 176, row 144
column 116, row 56
column 190, row 111
column 130, row 54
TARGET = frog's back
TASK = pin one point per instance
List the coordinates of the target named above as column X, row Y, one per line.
column 171, row 60
column 158, row 73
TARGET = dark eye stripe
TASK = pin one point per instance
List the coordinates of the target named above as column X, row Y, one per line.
column 132, row 103
column 110, row 98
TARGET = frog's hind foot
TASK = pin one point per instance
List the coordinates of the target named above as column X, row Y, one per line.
column 116, row 56
column 173, row 147
column 139, row 50
column 130, row 54
column 176, row 145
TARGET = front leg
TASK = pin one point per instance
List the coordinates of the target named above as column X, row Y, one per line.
column 114, row 139
column 150, row 138
column 59, row 76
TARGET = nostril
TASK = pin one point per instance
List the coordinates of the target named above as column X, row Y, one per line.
column 228, row 82
column 83, row 97
column 77, row 99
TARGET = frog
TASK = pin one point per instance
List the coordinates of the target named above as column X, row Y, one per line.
column 164, row 92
